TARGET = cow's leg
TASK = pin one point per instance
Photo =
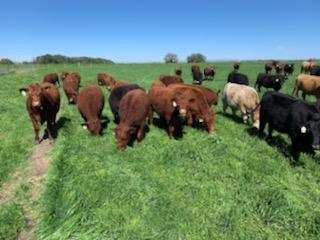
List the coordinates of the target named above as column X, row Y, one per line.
column 225, row 106
column 270, row 129
column 262, row 126
column 140, row 133
column 36, row 127
column 303, row 95
column 244, row 114
column 295, row 152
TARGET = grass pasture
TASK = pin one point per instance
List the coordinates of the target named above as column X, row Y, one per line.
column 228, row 185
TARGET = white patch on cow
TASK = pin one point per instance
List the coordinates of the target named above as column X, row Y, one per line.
column 183, row 111
column 201, row 120
column 303, row 129
column 23, row 93
column 277, row 80
column 84, row 126
column 174, row 104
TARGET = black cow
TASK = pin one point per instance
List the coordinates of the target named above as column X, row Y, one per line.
column 269, row 81
column 315, row 71
column 288, row 68
column 235, row 77
column 115, row 97
column 298, row 119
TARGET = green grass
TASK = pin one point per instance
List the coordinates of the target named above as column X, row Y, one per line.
column 228, row 185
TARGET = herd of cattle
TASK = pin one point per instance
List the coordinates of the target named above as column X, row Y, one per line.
column 178, row 104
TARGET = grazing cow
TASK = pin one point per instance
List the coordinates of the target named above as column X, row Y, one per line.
column 71, row 86
column 43, row 103
column 308, row 84
column 236, row 66
column 288, row 68
column 298, row 119
column 178, row 72
column 209, row 72
column 134, row 109
column 235, row 77
column 106, row 79
column 279, row 68
column 51, row 78
column 307, row 66
column 196, row 74
column 211, row 96
column 90, row 106
column 197, row 107
column 315, row 71
column 170, row 79
column 243, row 98
column 269, row 81
column 169, row 106
column 115, row 97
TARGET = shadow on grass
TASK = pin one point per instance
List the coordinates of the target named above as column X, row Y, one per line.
column 233, row 117
column 161, row 123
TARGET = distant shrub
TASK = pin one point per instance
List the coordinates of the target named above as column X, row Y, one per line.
column 171, row 58
column 48, row 58
column 196, row 58
column 6, row 61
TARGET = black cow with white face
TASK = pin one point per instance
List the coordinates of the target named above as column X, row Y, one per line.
column 298, row 119
column 288, row 68
column 270, row 81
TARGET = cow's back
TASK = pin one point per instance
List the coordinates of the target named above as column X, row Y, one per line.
column 91, row 101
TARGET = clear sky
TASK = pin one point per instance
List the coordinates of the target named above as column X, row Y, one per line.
column 140, row 31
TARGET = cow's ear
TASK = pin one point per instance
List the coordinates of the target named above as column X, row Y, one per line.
column 84, row 125
column 174, row 103
column 23, row 91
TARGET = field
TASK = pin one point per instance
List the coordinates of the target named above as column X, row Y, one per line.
column 227, row 185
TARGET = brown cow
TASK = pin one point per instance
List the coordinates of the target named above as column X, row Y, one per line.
column 51, row 78
column 308, row 84
column 197, row 108
column 196, row 74
column 90, row 106
column 170, row 79
column 209, row 72
column 211, row 96
column 134, row 109
column 279, row 68
column 106, row 79
column 71, row 86
column 268, row 67
column 43, row 103
column 168, row 106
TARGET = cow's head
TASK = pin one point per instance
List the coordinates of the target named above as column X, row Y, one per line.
column 34, row 94
column 94, row 126
column 63, row 75
column 73, row 98
column 311, row 130
column 107, row 80
column 180, row 103
column 123, row 135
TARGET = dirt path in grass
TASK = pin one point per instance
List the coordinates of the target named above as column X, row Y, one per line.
column 33, row 177
column 36, row 172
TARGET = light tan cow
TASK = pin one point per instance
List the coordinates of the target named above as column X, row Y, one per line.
column 307, row 66
column 243, row 98
column 308, row 84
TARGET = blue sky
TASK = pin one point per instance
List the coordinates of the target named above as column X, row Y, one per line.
column 141, row 31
